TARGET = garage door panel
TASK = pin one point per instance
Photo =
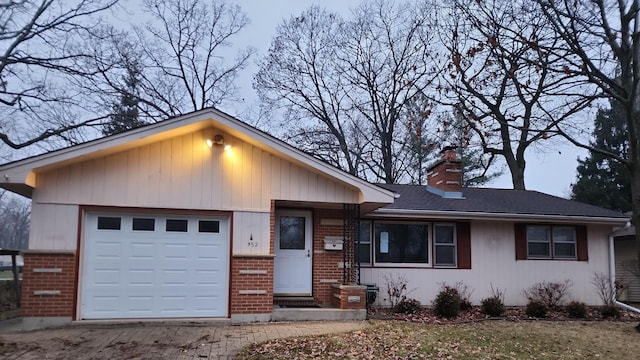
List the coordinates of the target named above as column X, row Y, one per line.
column 129, row 273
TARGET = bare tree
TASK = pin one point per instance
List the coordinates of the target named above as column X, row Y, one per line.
column 346, row 81
column 42, row 43
column 500, row 79
column 182, row 52
column 600, row 45
column 15, row 215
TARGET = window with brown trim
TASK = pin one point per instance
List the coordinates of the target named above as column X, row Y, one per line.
column 551, row 242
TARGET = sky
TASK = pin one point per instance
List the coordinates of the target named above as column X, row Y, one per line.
column 551, row 169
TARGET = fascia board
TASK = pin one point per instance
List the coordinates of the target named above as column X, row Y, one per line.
column 468, row 215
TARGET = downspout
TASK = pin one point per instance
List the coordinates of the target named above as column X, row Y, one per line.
column 612, row 274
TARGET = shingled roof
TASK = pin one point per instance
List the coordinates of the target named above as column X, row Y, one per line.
column 417, row 199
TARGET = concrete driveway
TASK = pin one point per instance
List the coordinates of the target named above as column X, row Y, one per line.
column 161, row 340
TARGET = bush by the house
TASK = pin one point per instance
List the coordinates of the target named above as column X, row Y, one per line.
column 551, row 294
column 408, row 306
column 609, row 311
column 536, row 309
column 397, row 288
column 447, row 302
column 576, row 309
column 493, row 306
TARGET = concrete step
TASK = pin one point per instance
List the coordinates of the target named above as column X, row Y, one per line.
column 317, row 314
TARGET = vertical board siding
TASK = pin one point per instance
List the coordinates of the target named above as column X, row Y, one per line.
column 626, row 259
column 178, row 173
column 494, row 264
column 251, row 225
column 54, row 227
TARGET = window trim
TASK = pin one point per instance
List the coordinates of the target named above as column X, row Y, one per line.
column 454, row 245
column 375, row 262
column 368, row 242
column 551, row 242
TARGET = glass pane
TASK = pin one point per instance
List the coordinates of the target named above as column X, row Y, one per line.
column 208, row 226
column 108, row 223
column 365, row 231
column 364, row 253
column 407, row 243
column 536, row 249
column 444, row 234
column 445, row 255
column 292, row 232
column 563, row 234
column 140, row 224
column 564, row 250
column 538, row 233
column 176, row 225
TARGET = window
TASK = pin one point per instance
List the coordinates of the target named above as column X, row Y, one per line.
column 292, row 232
column 401, row 243
column 444, row 236
column 140, row 224
column 364, row 247
column 173, row 225
column 108, row 223
column 551, row 242
column 208, row 226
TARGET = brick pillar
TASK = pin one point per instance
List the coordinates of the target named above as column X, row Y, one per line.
column 251, row 288
column 349, row 296
column 48, row 284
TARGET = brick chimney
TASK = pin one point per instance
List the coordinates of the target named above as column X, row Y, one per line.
column 446, row 174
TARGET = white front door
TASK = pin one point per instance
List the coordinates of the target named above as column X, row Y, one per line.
column 293, row 251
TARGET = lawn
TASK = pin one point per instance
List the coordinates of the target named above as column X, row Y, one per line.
column 8, row 275
column 479, row 340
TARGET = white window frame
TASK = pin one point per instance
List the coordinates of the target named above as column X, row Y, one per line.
column 428, row 246
column 551, row 241
column 368, row 242
column 454, row 244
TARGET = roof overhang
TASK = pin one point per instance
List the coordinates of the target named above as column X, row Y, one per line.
column 469, row 215
column 19, row 176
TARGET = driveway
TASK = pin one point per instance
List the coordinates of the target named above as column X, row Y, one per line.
column 156, row 340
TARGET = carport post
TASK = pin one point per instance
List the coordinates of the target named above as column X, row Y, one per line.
column 16, row 285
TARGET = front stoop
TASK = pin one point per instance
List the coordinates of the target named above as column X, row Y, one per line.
column 317, row 314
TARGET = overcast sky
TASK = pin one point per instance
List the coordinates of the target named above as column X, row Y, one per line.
column 551, row 171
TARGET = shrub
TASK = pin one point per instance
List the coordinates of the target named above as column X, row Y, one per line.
column 493, row 306
column 408, row 306
column 447, row 302
column 609, row 311
column 607, row 290
column 536, row 309
column 396, row 288
column 576, row 309
column 465, row 295
column 551, row 294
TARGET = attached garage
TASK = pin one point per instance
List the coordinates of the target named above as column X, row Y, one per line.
column 145, row 265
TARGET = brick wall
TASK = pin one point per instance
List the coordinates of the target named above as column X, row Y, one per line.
column 251, row 284
column 349, row 296
column 48, row 284
column 326, row 270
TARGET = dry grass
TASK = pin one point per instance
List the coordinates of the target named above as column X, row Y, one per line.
column 479, row 340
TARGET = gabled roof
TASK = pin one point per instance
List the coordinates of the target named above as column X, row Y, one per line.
column 522, row 205
column 19, row 176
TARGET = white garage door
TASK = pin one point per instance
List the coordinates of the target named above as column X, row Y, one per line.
column 154, row 266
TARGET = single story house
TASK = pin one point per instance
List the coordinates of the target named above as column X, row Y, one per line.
column 204, row 216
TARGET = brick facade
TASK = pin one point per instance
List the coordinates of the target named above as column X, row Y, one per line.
column 349, row 296
column 251, row 285
column 327, row 268
column 48, row 284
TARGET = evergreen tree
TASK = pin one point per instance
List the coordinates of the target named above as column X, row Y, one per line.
column 125, row 111
column 601, row 180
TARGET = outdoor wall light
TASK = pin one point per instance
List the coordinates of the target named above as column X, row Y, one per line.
column 217, row 140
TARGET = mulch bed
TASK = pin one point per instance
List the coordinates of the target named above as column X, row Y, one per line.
column 475, row 314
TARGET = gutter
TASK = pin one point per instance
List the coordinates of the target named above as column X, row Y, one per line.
column 612, row 274
column 472, row 215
